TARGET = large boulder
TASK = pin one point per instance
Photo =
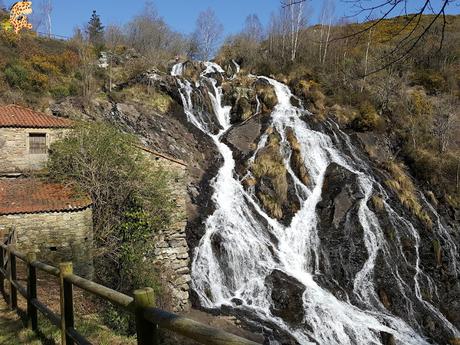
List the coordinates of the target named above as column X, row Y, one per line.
column 338, row 223
column 266, row 94
column 286, row 295
column 243, row 137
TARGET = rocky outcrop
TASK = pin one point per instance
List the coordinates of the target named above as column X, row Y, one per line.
column 286, row 296
column 338, row 224
column 248, row 96
column 243, row 137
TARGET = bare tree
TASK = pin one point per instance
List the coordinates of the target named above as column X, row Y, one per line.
column 47, row 9
column 410, row 34
column 88, row 62
column 114, row 37
column 295, row 21
column 208, row 33
column 366, row 59
column 42, row 17
column 327, row 16
column 253, row 29
column 284, row 30
column 445, row 122
column 148, row 34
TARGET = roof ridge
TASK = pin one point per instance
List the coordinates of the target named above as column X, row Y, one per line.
column 14, row 115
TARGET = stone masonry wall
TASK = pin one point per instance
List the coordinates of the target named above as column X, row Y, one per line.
column 14, row 148
column 171, row 249
column 55, row 237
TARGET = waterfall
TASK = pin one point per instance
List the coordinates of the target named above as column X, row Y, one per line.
column 177, row 69
column 243, row 245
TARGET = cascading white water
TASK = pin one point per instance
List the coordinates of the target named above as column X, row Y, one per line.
column 247, row 254
column 177, row 69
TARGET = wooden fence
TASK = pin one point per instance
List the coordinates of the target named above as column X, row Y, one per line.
column 148, row 319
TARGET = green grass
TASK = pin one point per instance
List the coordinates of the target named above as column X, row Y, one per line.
column 13, row 331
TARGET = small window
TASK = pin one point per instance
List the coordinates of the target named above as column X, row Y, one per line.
column 37, row 143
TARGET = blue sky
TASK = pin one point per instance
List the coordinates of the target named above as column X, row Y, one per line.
column 180, row 14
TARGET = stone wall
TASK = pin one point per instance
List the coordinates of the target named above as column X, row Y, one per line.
column 55, row 237
column 171, row 249
column 14, row 149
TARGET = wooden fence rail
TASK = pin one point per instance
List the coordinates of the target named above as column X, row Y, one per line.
column 141, row 306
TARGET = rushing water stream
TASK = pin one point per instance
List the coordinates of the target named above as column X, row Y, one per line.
column 247, row 234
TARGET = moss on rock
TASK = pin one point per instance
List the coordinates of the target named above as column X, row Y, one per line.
column 270, row 173
column 297, row 161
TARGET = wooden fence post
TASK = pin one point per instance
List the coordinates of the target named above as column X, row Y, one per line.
column 147, row 332
column 67, row 320
column 2, row 277
column 32, row 318
column 13, row 302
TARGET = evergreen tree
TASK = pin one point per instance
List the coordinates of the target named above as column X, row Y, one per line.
column 95, row 30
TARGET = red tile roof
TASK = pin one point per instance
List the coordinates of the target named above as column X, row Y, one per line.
column 16, row 116
column 36, row 196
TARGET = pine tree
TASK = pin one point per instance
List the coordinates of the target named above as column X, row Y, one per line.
column 95, row 30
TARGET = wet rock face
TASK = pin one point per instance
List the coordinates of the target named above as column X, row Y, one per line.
column 244, row 136
column 286, row 296
column 339, row 194
column 338, row 223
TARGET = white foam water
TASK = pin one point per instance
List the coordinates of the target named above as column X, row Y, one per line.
column 245, row 235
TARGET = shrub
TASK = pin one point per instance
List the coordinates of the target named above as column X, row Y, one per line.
column 43, row 65
column 367, row 119
column 433, row 81
column 17, row 76
column 131, row 200
column 64, row 89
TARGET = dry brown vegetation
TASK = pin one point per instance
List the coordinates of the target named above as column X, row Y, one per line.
column 402, row 185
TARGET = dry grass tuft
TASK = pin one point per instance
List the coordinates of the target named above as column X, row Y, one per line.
column 377, row 202
column 404, row 188
column 147, row 96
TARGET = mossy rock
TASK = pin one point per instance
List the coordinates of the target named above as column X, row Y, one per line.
column 297, row 161
column 437, row 252
column 266, row 94
column 192, row 70
column 244, row 108
column 310, row 91
column 270, row 173
column 377, row 203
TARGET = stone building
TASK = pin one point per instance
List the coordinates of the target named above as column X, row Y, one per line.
column 25, row 137
column 53, row 221
column 49, row 219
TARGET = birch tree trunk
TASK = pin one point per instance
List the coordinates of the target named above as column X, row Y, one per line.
column 366, row 59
